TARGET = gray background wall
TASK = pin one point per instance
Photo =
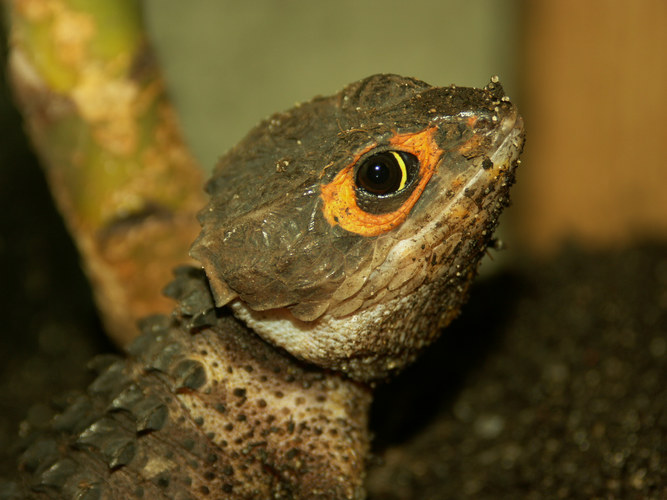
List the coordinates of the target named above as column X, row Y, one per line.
column 232, row 63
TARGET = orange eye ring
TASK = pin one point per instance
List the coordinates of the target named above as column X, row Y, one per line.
column 340, row 198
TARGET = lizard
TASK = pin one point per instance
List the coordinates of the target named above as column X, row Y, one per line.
column 340, row 238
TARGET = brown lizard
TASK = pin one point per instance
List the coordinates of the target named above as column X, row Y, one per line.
column 341, row 236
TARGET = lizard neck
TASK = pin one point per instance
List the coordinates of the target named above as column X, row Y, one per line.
column 202, row 408
column 279, row 417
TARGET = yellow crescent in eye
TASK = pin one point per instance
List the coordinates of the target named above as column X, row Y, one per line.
column 404, row 171
column 340, row 199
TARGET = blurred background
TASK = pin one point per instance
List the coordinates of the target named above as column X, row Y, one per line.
column 589, row 77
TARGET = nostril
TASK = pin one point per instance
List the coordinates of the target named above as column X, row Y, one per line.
column 487, row 163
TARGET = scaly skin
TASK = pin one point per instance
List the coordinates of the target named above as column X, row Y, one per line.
column 256, row 386
column 334, row 275
column 203, row 408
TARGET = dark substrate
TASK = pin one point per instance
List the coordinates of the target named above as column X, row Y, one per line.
column 552, row 384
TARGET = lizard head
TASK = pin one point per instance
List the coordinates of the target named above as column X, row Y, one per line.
column 348, row 229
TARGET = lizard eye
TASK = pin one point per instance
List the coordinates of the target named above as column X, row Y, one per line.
column 375, row 192
column 386, row 173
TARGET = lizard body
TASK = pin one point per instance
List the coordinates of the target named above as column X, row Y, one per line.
column 341, row 236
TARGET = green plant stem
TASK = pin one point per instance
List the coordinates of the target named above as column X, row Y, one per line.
column 95, row 106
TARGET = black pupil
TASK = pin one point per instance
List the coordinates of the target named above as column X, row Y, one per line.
column 380, row 174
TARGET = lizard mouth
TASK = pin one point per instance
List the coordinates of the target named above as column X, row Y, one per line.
column 509, row 141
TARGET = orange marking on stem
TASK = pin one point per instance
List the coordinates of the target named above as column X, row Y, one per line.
column 340, row 199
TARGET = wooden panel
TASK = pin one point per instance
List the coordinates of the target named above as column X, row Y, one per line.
column 595, row 102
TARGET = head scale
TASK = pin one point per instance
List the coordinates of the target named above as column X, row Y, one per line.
column 347, row 229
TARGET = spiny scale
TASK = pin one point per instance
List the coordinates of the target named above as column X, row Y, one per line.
column 142, row 429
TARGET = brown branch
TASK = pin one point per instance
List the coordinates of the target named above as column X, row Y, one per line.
column 95, row 107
